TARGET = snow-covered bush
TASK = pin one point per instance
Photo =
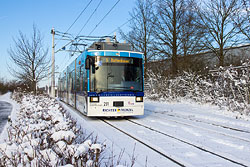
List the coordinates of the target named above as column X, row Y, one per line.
column 231, row 87
column 187, row 85
column 44, row 135
column 226, row 87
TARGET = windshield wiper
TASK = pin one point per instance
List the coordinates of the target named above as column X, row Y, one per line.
column 125, row 89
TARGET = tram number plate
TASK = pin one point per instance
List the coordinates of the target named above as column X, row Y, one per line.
column 106, row 103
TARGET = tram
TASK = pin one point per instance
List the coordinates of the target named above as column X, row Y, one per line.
column 107, row 79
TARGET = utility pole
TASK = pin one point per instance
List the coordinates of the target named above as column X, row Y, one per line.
column 53, row 64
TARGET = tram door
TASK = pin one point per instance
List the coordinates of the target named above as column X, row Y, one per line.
column 80, row 89
column 71, row 91
column 85, row 90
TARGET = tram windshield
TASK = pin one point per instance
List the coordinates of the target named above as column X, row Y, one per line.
column 116, row 74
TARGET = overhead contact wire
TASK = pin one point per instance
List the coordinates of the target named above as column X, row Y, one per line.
column 104, row 17
column 75, row 20
column 90, row 17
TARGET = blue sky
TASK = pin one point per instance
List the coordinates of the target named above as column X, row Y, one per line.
column 20, row 15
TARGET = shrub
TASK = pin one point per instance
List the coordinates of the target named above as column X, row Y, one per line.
column 226, row 87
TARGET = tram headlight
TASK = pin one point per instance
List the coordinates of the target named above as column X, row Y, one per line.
column 139, row 99
column 94, row 99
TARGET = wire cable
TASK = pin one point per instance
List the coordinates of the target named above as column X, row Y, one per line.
column 76, row 20
column 104, row 17
column 127, row 21
column 90, row 17
column 64, row 46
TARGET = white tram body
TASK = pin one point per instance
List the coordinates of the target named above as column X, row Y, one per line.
column 107, row 79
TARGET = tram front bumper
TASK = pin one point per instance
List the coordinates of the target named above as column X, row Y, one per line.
column 115, row 106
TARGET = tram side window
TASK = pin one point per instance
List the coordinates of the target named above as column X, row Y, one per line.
column 82, row 74
column 78, row 79
column 60, row 85
column 68, row 82
column 64, row 84
column 71, row 82
column 84, row 79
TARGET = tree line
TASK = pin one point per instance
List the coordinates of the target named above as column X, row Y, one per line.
column 174, row 29
column 6, row 86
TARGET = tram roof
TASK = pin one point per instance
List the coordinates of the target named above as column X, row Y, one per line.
column 118, row 53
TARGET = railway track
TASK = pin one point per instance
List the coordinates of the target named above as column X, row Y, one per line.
column 145, row 144
column 203, row 121
column 245, row 139
column 131, row 136
column 179, row 161
column 165, row 154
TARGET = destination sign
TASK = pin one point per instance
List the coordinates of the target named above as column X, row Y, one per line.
column 115, row 60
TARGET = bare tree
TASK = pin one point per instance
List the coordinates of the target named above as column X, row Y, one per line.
column 191, row 39
column 216, row 19
column 242, row 19
column 140, row 35
column 191, row 36
column 175, row 32
column 29, row 59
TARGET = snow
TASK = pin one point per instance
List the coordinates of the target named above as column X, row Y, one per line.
column 81, row 149
column 68, row 165
column 89, row 163
column 50, row 156
column 199, row 125
column 42, row 134
column 67, row 136
column 96, row 147
column 190, row 133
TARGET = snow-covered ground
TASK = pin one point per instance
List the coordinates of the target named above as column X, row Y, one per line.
column 171, row 134
column 41, row 133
